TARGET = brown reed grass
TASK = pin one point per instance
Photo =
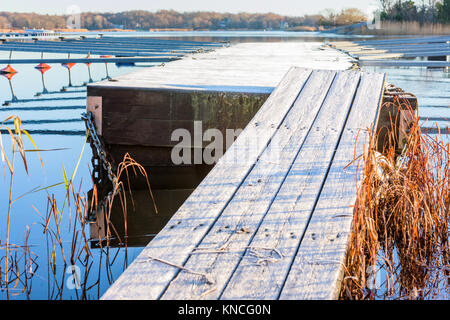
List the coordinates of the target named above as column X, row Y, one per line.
column 399, row 247
column 18, row 263
column 11, row 273
column 80, row 253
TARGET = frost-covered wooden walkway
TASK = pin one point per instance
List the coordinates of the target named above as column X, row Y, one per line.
column 272, row 219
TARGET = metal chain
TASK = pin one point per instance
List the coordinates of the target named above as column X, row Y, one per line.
column 100, row 153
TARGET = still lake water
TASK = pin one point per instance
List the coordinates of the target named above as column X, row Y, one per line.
column 54, row 121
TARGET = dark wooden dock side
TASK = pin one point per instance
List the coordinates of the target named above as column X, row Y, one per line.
column 223, row 88
column 272, row 219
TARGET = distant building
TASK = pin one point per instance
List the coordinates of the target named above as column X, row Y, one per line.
column 38, row 31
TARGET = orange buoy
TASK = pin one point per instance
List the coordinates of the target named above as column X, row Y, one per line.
column 68, row 65
column 43, row 67
column 106, row 56
column 8, row 70
column 9, row 76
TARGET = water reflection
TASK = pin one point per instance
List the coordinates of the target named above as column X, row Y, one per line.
column 142, row 222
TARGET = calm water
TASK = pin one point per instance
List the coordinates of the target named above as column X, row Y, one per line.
column 432, row 88
column 55, row 123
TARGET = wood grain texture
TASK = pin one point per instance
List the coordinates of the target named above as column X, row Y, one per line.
column 231, row 234
column 146, row 278
column 285, row 222
column 317, row 270
column 150, row 117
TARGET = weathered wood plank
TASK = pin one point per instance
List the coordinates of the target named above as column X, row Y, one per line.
column 366, row 52
column 381, row 56
column 146, row 278
column 285, row 222
column 150, row 121
column 231, row 234
column 407, row 54
column 317, row 270
column 395, row 48
column 434, row 39
column 405, row 63
column 414, row 47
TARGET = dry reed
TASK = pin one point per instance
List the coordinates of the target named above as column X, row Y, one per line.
column 80, row 253
column 399, row 247
column 69, row 245
column 19, row 261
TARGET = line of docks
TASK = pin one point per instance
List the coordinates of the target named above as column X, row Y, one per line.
column 67, row 50
column 107, row 49
column 382, row 52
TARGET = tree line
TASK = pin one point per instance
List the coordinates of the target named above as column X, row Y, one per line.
column 145, row 20
column 422, row 11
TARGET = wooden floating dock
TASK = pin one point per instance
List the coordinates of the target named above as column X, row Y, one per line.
column 222, row 88
column 159, row 59
column 371, row 50
column 266, row 228
column 272, row 219
column 124, row 49
column 405, row 63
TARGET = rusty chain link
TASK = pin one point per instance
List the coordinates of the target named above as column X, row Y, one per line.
column 103, row 165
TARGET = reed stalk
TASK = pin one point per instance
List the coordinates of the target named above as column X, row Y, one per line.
column 399, row 247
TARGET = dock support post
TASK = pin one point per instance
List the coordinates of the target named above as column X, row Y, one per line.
column 447, row 69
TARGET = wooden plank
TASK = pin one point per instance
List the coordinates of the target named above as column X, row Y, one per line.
column 405, row 55
column 343, row 43
column 285, row 222
column 152, row 116
column 366, row 52
column 239, row 220
column 381, row 56
column 113, row 99
column 146, row 132
column 150, row 40
column 414, row 47
column 401, row 63
column 81, row 50
column 174, row 48
column 88, row 60
column 317, row 270
column 438, row 39
column 147, row 278
column 438, row 53
column 94, row 105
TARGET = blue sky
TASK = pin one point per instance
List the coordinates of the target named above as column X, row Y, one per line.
column 286, row 7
